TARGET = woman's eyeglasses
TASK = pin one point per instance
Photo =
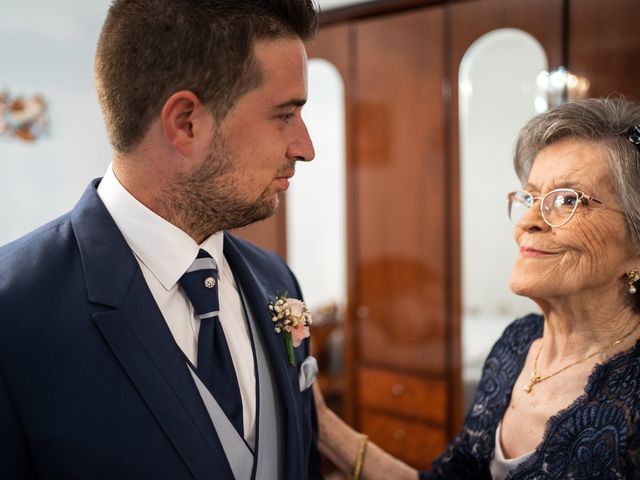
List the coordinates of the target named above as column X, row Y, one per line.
column 557, row 206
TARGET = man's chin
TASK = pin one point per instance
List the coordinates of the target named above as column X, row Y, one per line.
column 261, row 210
column 267, row 208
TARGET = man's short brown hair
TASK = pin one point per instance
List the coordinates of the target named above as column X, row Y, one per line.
column 150, row 49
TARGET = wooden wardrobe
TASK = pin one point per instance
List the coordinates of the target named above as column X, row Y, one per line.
column 399, row 61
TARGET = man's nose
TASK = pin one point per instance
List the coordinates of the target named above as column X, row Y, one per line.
column 301, row 149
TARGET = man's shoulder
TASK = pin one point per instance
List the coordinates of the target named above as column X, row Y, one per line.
column 46, row 243
column 43, row 241
column 33, row 266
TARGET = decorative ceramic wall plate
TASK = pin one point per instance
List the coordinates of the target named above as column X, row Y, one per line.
column 23, row 118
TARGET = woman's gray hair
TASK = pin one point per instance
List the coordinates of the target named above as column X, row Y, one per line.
column 605, row 121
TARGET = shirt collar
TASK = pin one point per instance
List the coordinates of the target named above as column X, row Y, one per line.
column 166, row 250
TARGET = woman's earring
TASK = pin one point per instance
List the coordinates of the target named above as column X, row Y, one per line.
column 632, row 277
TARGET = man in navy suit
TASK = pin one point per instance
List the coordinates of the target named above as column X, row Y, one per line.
column 99, row 375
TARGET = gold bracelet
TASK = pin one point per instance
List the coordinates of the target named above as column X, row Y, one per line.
column 362, row 448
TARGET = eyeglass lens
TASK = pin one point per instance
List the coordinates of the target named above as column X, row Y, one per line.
column 558, row 206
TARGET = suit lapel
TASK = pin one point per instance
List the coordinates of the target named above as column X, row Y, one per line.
column 258, row 298
column 140, row 339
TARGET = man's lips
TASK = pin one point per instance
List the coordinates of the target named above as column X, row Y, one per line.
column 286, row 172
column 284, row 175
column 283, row 181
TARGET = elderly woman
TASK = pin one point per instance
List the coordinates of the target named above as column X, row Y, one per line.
column 560, row 393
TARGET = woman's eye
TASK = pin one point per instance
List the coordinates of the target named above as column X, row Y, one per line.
column 568, row 200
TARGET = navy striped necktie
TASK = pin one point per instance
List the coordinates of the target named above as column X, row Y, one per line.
column 215, row 366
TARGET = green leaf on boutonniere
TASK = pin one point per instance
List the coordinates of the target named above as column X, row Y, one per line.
column 289, row 344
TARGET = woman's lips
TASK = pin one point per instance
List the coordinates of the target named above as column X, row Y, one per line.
column 534, row 252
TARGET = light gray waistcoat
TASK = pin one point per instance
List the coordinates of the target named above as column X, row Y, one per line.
column 270, row 431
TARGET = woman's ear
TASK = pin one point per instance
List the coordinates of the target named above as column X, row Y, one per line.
column 184, row 119
column 632, row 269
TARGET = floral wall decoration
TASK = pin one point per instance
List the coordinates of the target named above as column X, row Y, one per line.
column 23, row 118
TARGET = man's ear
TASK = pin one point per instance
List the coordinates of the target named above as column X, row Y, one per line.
column 184, row 120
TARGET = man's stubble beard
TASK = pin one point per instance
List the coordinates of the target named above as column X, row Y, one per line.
column 205, row 202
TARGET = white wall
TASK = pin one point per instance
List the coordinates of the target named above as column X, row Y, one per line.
column 47, row 48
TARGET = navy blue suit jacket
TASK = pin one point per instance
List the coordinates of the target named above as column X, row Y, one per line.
column 92, row 383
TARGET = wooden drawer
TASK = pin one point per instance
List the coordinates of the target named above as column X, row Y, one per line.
column 414, row 442
column 403, row 394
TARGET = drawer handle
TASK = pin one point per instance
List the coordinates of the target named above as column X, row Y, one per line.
column 397, row 389
column 362, row 312
column 398, row 435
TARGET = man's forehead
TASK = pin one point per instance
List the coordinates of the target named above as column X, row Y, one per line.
column 280, row 52
column 283, row 64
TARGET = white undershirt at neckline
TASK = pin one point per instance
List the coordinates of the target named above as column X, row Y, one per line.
column 500, row 466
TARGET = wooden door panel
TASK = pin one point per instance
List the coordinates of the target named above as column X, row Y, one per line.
column 604, row 46
column 399, row 180
column 332, row 44
column 470, row 20
column 414, row 442
column 402, row 394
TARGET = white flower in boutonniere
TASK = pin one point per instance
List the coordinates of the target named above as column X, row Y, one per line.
column 291, row 317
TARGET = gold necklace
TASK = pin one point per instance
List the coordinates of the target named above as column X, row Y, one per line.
column 537, row 378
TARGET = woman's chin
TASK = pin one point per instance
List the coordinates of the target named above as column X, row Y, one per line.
column 534, row 292
column 521, row 286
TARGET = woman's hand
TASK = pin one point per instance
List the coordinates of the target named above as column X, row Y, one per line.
column 339, row 443
column 318, row 397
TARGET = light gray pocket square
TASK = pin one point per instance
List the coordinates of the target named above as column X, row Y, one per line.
column 308, row 371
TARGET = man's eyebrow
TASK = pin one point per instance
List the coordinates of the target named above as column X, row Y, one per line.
column 295, row 102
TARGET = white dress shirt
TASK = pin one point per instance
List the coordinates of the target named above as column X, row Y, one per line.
column 164, row 253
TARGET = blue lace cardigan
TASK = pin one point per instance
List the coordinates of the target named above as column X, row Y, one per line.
column 596, row 437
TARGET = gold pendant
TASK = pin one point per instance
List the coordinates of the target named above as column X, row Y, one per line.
column 535, row 378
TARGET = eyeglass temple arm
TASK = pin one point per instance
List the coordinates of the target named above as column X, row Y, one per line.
column 592, row 199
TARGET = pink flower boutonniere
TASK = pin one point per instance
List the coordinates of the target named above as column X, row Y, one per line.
column 291, row 317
